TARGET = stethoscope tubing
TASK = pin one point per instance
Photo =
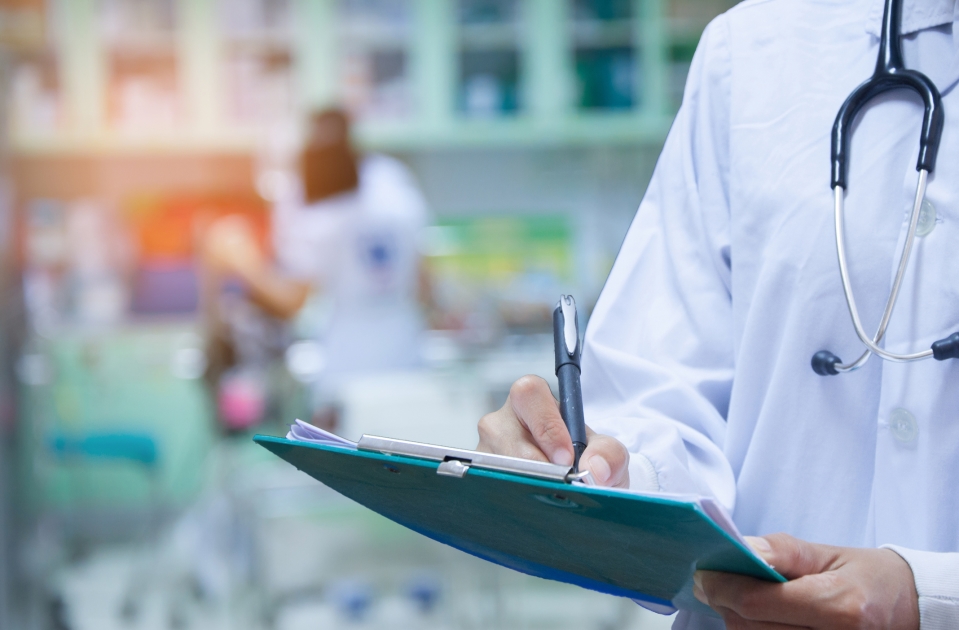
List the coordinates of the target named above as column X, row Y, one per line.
column 872, row 343
column 890, row 74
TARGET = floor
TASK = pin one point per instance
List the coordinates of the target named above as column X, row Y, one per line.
column 93, row 592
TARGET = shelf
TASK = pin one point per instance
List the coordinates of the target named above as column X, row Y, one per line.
column 617, row 128
column 489, row 36
column 265, row 41
column 422, row 73
column 113, row 142
column 603, row 33
column 373, row 36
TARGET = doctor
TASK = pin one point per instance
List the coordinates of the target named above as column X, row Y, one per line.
column 350, row 228
column 696, row 369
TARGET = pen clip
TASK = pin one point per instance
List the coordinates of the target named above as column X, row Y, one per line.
column 570, row 323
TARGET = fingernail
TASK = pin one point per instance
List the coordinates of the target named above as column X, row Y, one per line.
column 562, row 457
column 600, row 468
column 698, row 591
column 761, row 546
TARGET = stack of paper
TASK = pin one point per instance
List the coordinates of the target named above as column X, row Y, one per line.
column 305, row 432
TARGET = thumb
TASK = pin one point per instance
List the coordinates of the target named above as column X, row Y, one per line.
column 791, row 557
column 607, row 459
column 761, row 547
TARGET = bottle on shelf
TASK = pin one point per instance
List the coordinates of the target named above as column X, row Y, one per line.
column 489, row 58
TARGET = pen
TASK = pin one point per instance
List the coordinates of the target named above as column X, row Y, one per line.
column 568, row 350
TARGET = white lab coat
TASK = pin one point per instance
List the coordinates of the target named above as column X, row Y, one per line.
column 697, row 356
column 362, row 249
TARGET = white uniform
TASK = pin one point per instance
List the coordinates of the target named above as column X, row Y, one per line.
column 697, row 355
column 363, row 248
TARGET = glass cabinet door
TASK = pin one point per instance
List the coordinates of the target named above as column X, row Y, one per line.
column 605, row 54
column 374, row 39
column 35, row 107
column 489, row 65
column 257, row 60
column 138, row 37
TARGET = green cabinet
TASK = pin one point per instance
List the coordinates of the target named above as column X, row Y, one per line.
column 421, row 73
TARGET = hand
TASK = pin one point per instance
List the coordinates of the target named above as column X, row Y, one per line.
column 829, row 587
column 530, row 426
column 229, row 244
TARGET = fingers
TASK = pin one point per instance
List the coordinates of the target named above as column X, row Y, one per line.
column 794, row 558
column 831, row 587
column 534, row 406
column 745, row 597
column 607, row 459
column 819, row 600
column 501, row 433
column 736, row 622
column 528, row 425
column 761, row 546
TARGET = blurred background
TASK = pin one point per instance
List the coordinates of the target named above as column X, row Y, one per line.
column 179, row 271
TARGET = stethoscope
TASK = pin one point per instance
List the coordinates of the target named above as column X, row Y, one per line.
column 890, row 74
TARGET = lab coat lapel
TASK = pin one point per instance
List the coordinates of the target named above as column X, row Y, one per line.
column 928, row 52
column 917, row 15
column 935, row 53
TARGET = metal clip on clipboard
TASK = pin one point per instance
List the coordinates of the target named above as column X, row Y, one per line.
column 456, row 462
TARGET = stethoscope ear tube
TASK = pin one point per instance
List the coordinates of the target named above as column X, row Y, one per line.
column 932, row 119
column 890, row 74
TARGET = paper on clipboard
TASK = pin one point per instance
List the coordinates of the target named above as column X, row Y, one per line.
column 305, row 432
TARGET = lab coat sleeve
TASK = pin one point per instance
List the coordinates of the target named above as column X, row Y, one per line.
column 937, row 583
column 658, row 356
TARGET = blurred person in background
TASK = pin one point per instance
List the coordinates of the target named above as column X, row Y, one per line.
column 349, row 227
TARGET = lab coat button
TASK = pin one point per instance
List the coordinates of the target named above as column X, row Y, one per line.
column 927, row 219
column 903, row 426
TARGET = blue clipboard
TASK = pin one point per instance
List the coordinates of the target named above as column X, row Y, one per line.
column 638, row 546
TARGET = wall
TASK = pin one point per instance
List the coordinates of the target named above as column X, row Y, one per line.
column 598, row 189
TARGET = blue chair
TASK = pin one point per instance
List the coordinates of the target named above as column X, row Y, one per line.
column 139, row 448
column 136, row 447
